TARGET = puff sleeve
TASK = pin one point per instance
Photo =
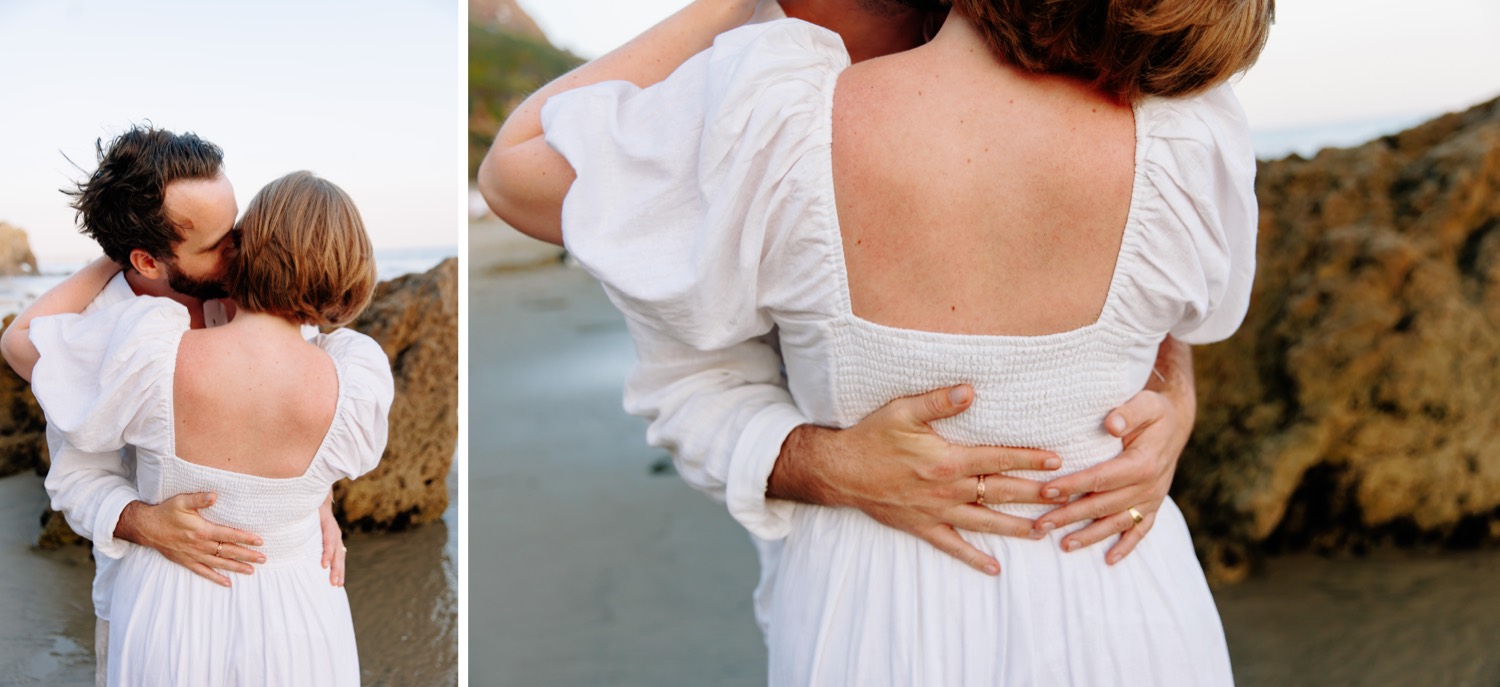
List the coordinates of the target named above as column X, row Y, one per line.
column 1203, row 170
column 681, row 191
column 358, row 436
column 684, row 207
column 104, row 379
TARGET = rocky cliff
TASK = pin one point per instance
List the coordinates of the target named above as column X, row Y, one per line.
column 415, row 319
column 1356, row 404
column 506, row 15
column 509, row 58
column 16, row 257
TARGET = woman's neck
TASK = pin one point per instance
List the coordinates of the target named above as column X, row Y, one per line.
column 265, row 325
column 959, row 37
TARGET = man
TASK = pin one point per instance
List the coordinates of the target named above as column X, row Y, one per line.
column 728, row 419
column 162, row 210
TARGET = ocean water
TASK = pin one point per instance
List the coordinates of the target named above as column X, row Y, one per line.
column 1307, row 140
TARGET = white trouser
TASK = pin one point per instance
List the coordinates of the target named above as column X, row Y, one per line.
column 101, row 652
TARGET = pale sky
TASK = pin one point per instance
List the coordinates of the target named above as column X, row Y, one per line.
column 367, row 95
column 1327, row 62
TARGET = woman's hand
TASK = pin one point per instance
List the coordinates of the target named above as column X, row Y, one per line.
column 334, row 550
column 1155, row 425
column 898, row 471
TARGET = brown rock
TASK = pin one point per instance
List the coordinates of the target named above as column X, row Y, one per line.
column 504, row 14
column 56, row 533
column 16, row 257
column 23, row 428
column 1356, row 404
column 415, row 319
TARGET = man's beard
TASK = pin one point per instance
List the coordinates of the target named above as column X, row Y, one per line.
column 201, row 289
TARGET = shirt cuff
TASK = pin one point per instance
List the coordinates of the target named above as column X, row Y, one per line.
column 108, row 518
column 750, row 471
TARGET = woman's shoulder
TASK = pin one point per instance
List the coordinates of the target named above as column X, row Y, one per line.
column 358, row 435
column 364, row 367
column 1211, row 123
column 1196, row 193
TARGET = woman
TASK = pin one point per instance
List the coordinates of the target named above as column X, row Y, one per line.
column 251, row 411
column 1028, row 203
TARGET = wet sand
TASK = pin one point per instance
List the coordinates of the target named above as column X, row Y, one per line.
column 592, row 566
column 403, row 593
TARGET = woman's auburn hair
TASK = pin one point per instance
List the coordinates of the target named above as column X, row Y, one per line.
column 302, row 253
column 1132, row 48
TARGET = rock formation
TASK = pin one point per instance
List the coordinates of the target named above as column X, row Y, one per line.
column 23, row 430
column 16, row 257
column 415, row 319
column 504, row 14
column 509, row 58
column 1357, row 403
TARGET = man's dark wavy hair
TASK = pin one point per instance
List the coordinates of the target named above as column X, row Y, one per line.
column 120, row 204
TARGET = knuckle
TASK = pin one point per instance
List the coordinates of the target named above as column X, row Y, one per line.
column 942, row 470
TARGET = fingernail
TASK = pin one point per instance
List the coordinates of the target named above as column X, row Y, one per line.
column 1113, row 559
column 1116, row 423
column 958, row 395
column 259, row 542
column 991, row 569
column 1071, row 545
column 1051, row 493
column 260, row 559
column 1036, row 534
column 1046, row 527
column 1053, row 463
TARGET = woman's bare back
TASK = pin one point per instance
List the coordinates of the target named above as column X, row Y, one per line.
column 252, row 404
column 973, row 198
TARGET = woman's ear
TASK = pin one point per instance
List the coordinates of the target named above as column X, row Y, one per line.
column 147, row 265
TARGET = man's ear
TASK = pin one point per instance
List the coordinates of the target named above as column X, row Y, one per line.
column 148, row 266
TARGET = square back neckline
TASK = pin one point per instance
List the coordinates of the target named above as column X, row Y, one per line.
column 171, row 396
column 841, row 266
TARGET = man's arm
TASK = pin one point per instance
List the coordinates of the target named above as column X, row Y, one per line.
column 96, row 496
column 734, row 432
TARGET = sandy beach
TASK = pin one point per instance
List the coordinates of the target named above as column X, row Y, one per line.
column 593, row 564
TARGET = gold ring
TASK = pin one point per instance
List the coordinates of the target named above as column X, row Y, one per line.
column 1136, row 516
column 219, row 549
column 979, row 491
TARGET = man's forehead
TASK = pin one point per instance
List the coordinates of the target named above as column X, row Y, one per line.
column 187, row 197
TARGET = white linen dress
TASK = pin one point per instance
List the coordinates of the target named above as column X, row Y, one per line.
column 105, row 380
column 705, row 206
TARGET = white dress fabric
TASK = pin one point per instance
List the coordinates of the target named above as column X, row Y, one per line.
column 105, row 380
column 705, row 206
